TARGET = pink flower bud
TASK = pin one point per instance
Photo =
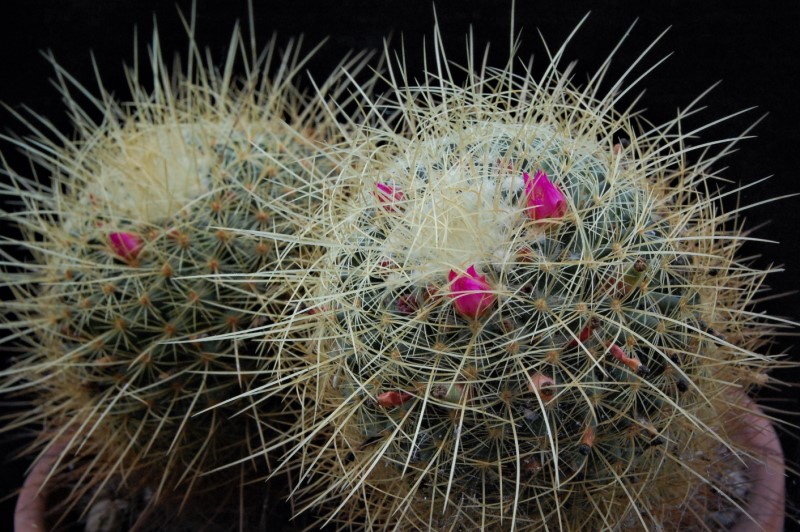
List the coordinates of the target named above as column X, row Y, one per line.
column 472, row 295
column 389, row 196
column 545, row 200
column 126, row 245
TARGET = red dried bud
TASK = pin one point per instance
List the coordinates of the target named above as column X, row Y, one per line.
column 393, row 399
column 634, row 364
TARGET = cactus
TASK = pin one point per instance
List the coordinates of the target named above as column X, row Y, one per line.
column 141, row 234
column 524, row 321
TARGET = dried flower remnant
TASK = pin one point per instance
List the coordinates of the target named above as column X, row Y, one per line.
column 393, row 399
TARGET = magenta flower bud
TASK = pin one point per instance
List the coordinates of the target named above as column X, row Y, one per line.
column 389, row 195
column 126, row 245
column 545, row 200
column 472, row 295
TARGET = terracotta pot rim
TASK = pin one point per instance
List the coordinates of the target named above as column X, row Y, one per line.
column 30, row 508
column 765, row 510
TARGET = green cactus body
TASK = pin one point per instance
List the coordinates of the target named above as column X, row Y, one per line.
column 489, row 360
column 136, row 307
column 132, row 330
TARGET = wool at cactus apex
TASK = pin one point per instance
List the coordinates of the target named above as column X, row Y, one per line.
column 753, row 49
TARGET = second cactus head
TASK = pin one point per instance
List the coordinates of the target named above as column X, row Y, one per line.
column 142, row 281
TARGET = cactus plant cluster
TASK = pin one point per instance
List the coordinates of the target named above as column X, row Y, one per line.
column 495, row 303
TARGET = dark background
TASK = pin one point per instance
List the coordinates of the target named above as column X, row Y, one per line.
column 753, row 49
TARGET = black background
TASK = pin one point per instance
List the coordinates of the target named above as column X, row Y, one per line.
column 754, row 49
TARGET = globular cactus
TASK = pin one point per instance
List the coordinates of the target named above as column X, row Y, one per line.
column 141, row 236
column 531, row 316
